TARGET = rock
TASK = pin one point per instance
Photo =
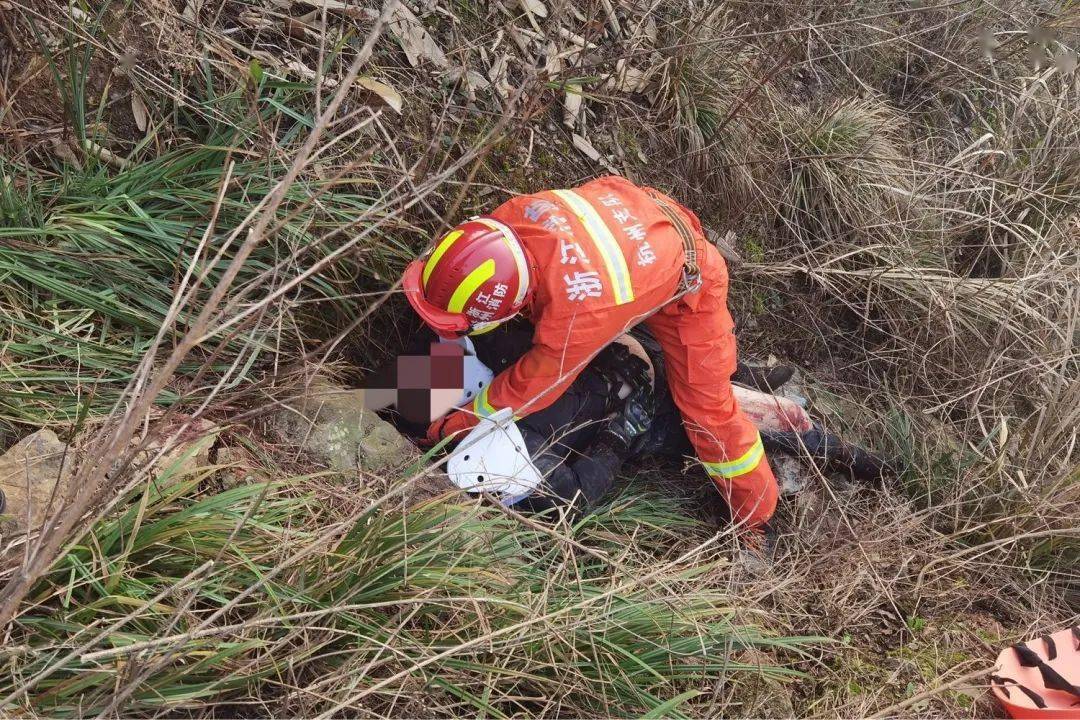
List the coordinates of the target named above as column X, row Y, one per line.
column 233, row 457
column 332, row 424
column 30, row 472
column 186, row 455
column 236, row 467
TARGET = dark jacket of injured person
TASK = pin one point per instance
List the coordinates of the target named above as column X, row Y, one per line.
column 619, row 408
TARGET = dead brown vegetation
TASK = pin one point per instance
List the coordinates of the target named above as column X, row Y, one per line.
column 904, row 184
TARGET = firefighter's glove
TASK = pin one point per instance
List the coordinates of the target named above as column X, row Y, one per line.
column 626, row 430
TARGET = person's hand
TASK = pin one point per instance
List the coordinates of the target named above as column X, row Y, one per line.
column 451, row 424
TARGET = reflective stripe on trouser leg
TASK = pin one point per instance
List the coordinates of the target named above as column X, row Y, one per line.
column 745, row 463
column 699, row 353
column 750, row 488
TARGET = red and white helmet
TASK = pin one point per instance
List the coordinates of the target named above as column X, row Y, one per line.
column 478, row 276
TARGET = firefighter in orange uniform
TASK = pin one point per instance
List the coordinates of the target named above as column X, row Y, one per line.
column 584, row 265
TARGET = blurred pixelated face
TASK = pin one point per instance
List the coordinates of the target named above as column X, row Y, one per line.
column 424, row 387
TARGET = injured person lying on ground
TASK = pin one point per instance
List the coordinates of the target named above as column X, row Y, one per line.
column 618, row 409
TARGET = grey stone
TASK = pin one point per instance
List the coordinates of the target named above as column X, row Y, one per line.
column 333, row 425
column 237, row 467
column 184, row 455
column 35, row 475
column 791, row 475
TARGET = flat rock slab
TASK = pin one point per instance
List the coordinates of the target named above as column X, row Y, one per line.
column 35, row 475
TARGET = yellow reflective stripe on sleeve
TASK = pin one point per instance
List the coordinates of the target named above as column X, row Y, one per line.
column 514, row 247
column 481, row 406
column 605, row 242
column 471, row 284
column 440, row 250
column 747, row 462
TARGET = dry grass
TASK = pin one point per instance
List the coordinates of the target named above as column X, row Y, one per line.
column 905, row 182
column 849, row 185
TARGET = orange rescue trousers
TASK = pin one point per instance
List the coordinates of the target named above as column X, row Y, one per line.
column 697, row 335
